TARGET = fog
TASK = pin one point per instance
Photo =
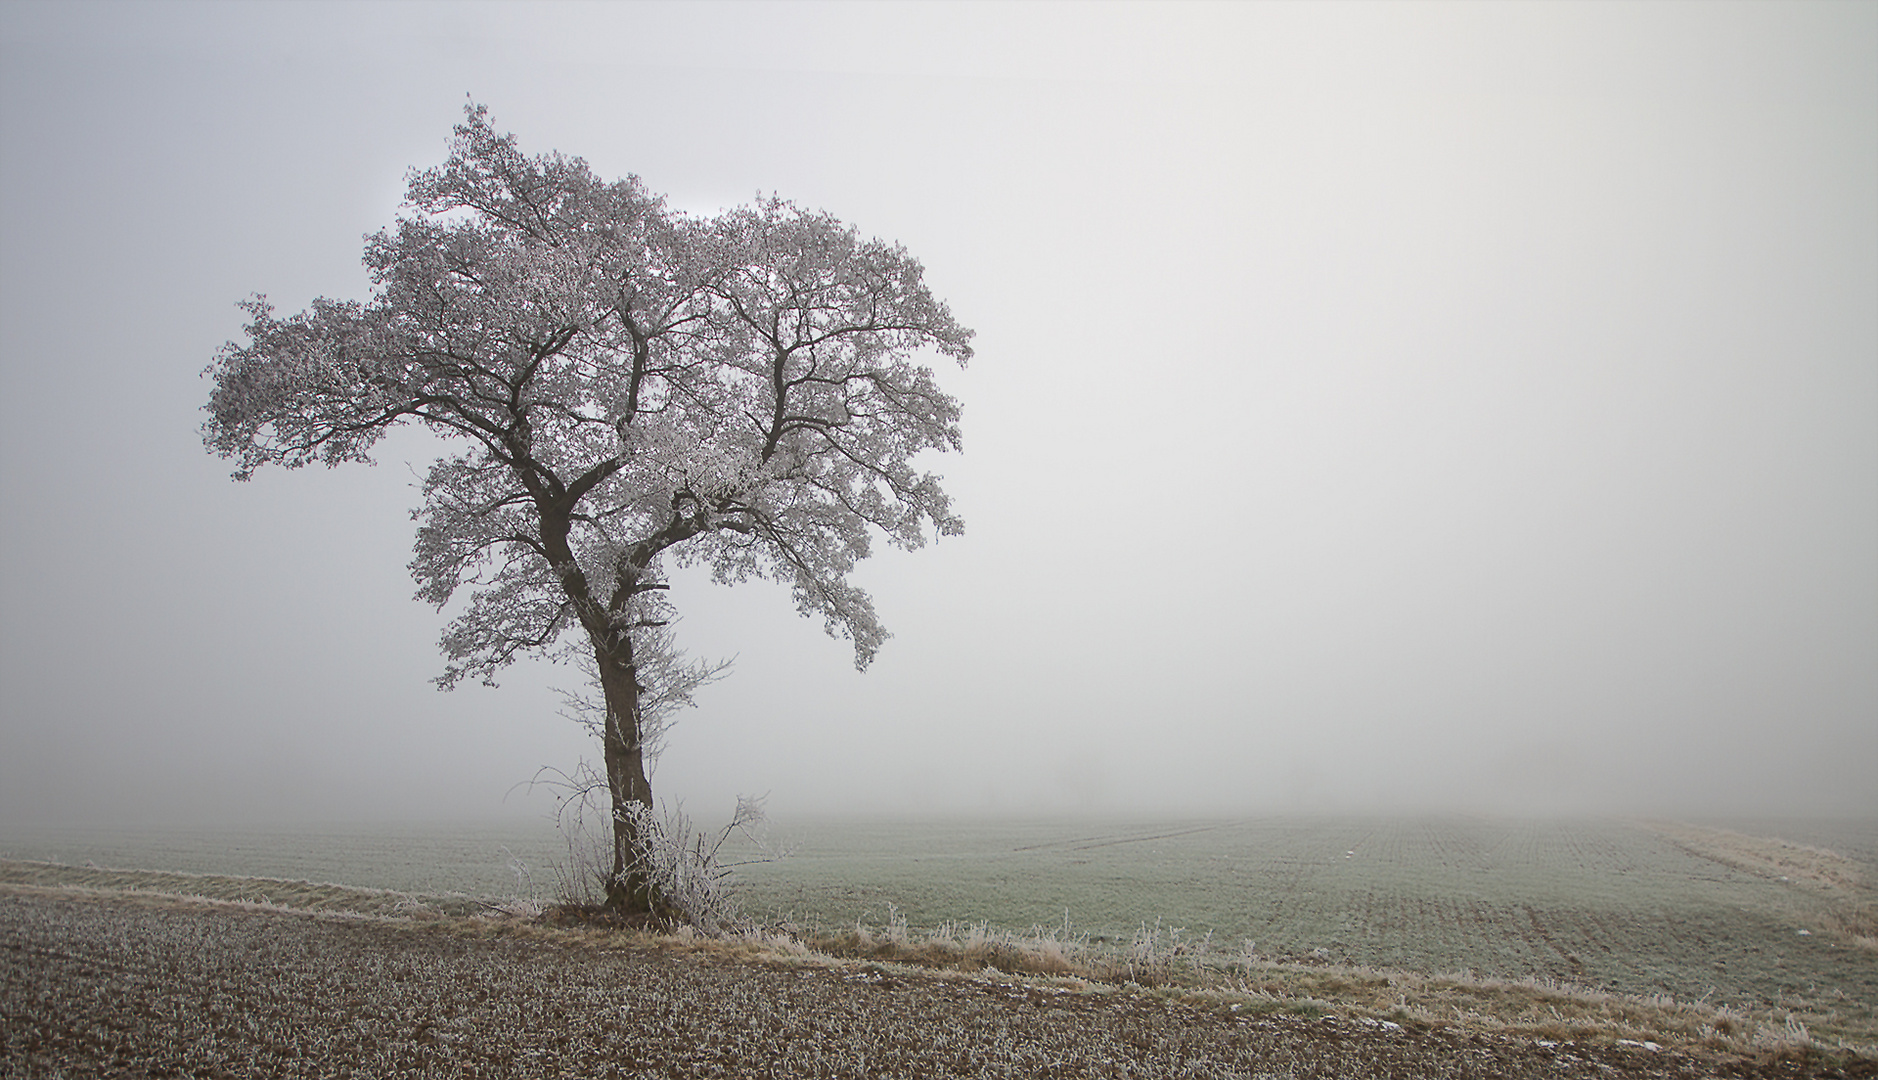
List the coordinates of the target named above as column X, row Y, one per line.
column 1404, row 408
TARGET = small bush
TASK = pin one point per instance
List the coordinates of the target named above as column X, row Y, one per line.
column 693, row 882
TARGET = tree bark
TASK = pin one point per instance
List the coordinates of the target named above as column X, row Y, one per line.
column 629, row 889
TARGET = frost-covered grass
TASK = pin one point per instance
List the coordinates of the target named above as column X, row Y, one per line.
column 256, row 891
column 1197, row 969
column 1840, row 888
column 472, row 860
column 1611, row 906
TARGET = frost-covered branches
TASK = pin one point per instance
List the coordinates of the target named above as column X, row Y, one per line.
column 669, row 679
column 630, row 381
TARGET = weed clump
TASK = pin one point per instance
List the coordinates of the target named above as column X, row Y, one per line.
column 690, row 873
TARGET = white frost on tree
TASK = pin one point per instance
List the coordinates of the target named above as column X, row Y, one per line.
column 631, row 388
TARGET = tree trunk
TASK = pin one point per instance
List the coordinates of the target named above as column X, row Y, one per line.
column 629, row 889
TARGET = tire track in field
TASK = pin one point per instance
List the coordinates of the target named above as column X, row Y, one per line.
column 1540, row 934
column 1086, row 843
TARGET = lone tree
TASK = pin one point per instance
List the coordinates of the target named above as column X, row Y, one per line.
column 626, row 383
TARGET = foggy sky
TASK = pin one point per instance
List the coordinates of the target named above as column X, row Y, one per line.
column 1405, row 407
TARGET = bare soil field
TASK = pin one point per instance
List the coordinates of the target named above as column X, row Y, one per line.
column 97, row 982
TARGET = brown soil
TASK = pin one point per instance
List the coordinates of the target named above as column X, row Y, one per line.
column 112, row 985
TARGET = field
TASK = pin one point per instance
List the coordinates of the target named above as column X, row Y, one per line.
column 119, row 982
column 1760, row 921
column 1634, row 908
column 472, row 860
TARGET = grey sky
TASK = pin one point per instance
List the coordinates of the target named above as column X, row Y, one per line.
column 1404, row 406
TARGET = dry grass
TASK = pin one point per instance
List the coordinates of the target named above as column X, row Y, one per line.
column 1848, row 903
column 1855, row 923
column 1770, row 857
column 1162, row 960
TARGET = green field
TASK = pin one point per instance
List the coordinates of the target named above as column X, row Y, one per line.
column 434, row 859
column 1617, row 906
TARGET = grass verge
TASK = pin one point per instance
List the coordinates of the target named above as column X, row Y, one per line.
column 1159, row 961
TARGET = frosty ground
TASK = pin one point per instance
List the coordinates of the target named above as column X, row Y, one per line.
column 99, row 982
